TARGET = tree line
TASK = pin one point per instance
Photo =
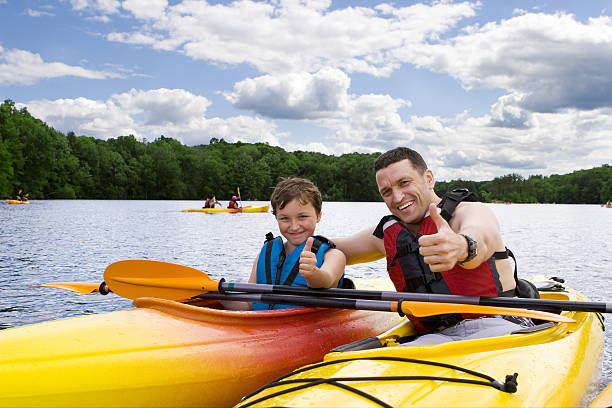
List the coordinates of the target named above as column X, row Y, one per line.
column 48, row 164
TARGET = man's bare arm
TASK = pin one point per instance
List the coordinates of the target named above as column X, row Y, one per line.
column 361, row 247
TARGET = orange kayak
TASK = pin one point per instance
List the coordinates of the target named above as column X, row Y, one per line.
column 169, row 354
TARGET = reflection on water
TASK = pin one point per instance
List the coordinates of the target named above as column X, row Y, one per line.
column 59, row 240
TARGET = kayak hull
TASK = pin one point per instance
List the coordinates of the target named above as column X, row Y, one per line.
column 165, row 353
column 17, row 202
column 557, row 366
column 249, row 209
column 604, row 399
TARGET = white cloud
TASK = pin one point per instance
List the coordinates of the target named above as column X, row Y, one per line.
column 298, row 95
column 293, row 36
column 163, row 106
column 547, row 62
column 38, row 13
column 22, row 67
column 170, row 112
column 104, row 6
column 99, row 119
column 145, row 9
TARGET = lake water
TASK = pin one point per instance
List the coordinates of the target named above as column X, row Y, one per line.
column 57, row 240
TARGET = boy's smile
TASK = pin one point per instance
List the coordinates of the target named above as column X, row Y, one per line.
column 297, row 222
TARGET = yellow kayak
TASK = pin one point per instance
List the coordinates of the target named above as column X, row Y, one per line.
column 556, row 365
column 248, row 209
column 169, row 354
column 604, row 399
column 17, row 202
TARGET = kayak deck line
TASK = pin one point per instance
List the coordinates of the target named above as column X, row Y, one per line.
column 509, row 386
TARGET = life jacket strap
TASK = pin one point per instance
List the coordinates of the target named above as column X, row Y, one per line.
column 451, row 199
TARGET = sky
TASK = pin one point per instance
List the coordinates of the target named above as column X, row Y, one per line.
column 480, row 88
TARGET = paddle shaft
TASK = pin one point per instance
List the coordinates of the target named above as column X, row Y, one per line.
column 402, row 307
column 548, row 305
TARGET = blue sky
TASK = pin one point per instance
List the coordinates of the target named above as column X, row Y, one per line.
column 481, row 89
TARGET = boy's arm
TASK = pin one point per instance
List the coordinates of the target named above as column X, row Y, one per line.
column 253, row 277
column 236, row 305
column 330, row 272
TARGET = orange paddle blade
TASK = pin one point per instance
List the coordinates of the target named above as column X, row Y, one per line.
column 430, row 309
column 134, row 278
column 78, row 287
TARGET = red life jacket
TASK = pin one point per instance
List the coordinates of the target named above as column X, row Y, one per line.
column 410, row 273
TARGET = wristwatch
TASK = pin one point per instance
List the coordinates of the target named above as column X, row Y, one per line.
column 472, row 249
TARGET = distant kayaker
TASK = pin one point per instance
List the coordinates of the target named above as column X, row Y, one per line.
column 303, row 259
column 445, row 245
column 211, row 202
column 233, row 203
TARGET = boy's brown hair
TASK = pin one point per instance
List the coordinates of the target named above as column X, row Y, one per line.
column 295, row 188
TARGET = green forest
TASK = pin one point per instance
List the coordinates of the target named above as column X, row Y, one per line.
column 47, row 164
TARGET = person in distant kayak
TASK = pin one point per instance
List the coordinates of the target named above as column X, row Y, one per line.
column 447, row 245
column 233, row 203
column 211, row 202
column 302, row 259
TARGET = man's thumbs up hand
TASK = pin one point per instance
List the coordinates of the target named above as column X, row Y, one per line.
column 442, row 250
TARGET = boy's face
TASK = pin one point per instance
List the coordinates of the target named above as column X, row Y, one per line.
column 297, row 222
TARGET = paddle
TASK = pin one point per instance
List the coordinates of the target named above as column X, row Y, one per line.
column 134, row 270
column 144, row 278
column 78, row 287
column 239, row 198
column 548, row 305
column 419, row 309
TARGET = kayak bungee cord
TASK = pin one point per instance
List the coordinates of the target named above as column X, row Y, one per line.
column 510, row 385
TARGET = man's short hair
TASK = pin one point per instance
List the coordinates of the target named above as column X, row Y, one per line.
column 295, row 188
column 398, row 154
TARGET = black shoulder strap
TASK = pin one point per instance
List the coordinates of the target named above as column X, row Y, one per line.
column 378, row 231
column 451, row 199
column 320, row 239
column 269, row 240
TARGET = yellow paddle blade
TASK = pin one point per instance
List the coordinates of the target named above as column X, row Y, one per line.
column 430, row 309
column 134, row 278
column 78, row 287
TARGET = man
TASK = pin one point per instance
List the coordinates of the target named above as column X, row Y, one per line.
column 425, row 252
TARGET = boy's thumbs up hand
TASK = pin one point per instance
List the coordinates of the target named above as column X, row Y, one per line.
column 308, row 260
column 308, row 246
column 442, row 250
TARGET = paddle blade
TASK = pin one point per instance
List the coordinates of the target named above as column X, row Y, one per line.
column 78, row 287
column 134, row 278
column 430, row 309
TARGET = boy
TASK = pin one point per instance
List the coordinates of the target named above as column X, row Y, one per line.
column 301, row 260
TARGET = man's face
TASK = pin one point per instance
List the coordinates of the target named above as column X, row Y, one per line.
column 406, row 191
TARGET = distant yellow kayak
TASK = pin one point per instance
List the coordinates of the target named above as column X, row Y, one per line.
column 248, row 209
column 17, row 202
